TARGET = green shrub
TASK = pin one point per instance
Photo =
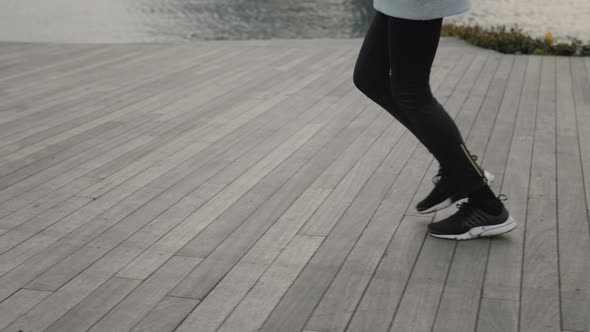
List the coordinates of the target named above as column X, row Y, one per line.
column 514, row 41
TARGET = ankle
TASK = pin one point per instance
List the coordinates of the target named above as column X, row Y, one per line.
column 485, row 199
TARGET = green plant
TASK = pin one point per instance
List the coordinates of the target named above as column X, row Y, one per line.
column 513, row 40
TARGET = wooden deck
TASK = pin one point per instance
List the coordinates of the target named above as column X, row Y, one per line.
column 249, row 186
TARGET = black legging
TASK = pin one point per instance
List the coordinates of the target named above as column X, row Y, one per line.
column 393, row 70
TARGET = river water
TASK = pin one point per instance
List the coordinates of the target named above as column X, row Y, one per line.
column 182, row 20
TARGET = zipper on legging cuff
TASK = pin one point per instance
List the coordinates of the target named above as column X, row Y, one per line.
column 472, row 162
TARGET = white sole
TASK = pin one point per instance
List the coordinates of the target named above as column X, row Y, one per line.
column 483, row 231
column 448, row 202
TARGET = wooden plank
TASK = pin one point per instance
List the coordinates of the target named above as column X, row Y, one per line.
column 380, row 301
column 95, row 306
column 223, row 299
column 459, row 304
column 572, row 212
column 420, row 299
column 18, row 304
column 23, row 242
column 45, row 204
column 61, row 301
column 167, row 315
column 503, row 274
column 253, row 309
column 540, row 303
column 143, row 299
column 498, row 316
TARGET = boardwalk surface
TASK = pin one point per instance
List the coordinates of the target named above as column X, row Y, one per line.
column 249, row 186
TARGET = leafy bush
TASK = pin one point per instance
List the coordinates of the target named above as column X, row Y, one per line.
column 514, row 41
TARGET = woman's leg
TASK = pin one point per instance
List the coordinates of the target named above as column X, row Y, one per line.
column 412, row 47
column 372, row 70
column 407, row 48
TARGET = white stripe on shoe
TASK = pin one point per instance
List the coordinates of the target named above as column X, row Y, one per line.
column 482, row 231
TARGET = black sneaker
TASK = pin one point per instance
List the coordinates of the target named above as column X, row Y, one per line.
column 471, row 222
column 443, row 194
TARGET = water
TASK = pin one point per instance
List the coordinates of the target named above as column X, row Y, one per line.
column 181, row 20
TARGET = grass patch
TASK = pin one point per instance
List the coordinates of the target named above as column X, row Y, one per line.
column 512, row 40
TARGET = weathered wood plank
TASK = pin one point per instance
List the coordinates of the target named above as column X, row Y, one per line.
column 419, row 302
column 572, row 213
column 503, row 275
column 540, row 303
column 143, row 299
column 95, row 306
column 380, row 301
column 167, row 315
column 223, row 299
column 255, row 307
column 18, row 304
column 498, row 316
column 61, row 301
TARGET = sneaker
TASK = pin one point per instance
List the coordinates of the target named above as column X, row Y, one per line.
column 443, row 194
column 471, row 222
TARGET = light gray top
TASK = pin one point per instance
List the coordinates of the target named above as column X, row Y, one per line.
column 421, row 9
